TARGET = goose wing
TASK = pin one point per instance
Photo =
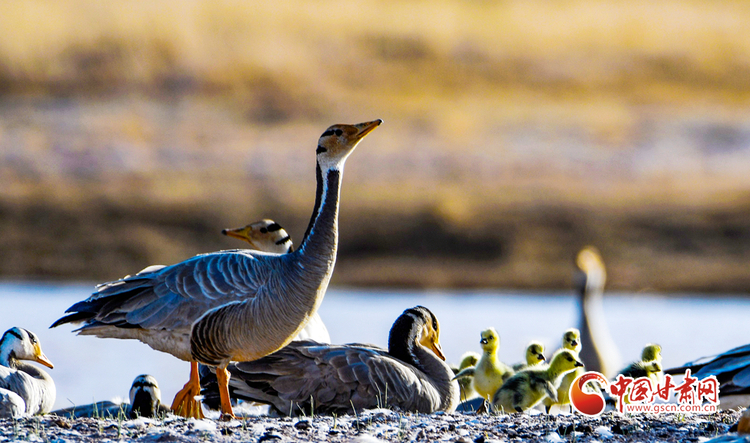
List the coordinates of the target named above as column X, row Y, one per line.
column 723, row 366
column 173, row 297
column 33, row 392
column 336, row 378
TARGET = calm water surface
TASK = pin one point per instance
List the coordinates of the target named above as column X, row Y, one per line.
column 88, row 368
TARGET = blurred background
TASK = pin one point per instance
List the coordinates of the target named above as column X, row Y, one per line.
column 515, row 133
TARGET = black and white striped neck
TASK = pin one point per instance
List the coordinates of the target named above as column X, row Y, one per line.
column 322, row 232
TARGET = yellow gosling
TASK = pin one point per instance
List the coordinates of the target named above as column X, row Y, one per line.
column 530, row 386
column 489, row 373
column 534, row 356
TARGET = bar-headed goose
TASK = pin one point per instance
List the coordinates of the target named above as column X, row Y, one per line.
column 24, row 389
column 268, row 236
column 307, row 377
column 599, row 352
column 237, row 305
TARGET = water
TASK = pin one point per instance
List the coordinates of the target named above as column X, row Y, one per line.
column 89, row 369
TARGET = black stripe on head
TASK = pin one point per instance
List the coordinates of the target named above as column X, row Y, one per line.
column 284, row 240
column 320, row 149
column 143, row 383
column 13, row 333
column 327, row 133
column 273, row 227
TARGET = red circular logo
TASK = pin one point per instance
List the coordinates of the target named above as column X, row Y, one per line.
column 590, row 401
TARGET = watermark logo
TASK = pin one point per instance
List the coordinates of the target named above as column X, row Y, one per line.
column 588, row 400
column 644, row 394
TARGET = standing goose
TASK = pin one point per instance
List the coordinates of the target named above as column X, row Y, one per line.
column 599, row 352
column 268, row 236
column 24, row 388
column 230, row 305
column 308, row 377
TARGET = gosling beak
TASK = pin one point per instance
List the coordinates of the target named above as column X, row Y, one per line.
column 578, row 364
column 366, row 127
column 541, row 357
column 483, row 341
column 41, row 358
column 574, row 343
column 438, row 350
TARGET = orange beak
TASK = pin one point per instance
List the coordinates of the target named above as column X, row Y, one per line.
column 438, row 350
column 41, row 358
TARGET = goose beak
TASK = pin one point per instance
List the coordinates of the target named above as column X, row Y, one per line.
column 41, row 358
column 240, row 233
column 438, row 350
column 483, row 341
column 541, row 357
column 366, row 127
column 574, row 343
column 578, row 364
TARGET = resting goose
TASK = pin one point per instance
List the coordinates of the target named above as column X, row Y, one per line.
column 528, row 387
column 268, row 236
column 236, row 305
column 24, row 388
column 599, row 352
column 732, row 370
column 489, row 373
column 308, row 377
column 145, row 401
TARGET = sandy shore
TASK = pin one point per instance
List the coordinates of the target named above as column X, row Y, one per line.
column 379, row 425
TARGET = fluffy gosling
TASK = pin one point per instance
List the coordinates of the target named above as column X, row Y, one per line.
column 489, row 373
column 534, row 356
column 530, row 386
column 571, row 341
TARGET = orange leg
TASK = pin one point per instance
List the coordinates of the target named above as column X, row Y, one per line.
column 184, row 403
column 222, row 375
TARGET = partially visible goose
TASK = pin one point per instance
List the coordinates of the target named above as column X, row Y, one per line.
column 528, row 387
column 307, row 377
column 732, row 370
column 24, row 388
column 225, row 306
column 599, row 352
column 268, row 236
column 648, row 366
column 469, row 359
column 145, row 401
column 489, row 373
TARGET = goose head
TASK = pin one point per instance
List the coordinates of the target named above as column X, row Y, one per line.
column 594, row 274
column 534, row 353
column 21, row 344
column 338, row 141
column 565, row 361
column 652, row 352
column 265, row 235
column 145, row 396
column 490, row 340
column 416, row 327
column 572, row 340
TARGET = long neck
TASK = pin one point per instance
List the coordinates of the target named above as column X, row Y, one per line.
column 321, row 239
column 598, row 350
column 438, row 373
column 7, row 356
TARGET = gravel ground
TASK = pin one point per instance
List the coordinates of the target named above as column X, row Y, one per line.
column 379, row 425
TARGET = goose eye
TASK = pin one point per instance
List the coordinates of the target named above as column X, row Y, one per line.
column 339, row 132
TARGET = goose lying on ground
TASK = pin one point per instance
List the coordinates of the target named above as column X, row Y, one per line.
column 227, row 306
column 24, row 389
column 145, row 401
column 306, row 377
column 732, row 370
